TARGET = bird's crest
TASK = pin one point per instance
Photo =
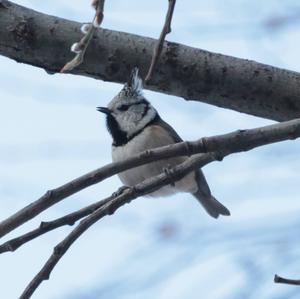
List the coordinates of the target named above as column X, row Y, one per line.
column 134, row 86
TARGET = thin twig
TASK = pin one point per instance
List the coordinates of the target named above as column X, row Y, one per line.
column 109, row 208
column 45, row 227
column 238, row 141
column 159, row 46
column 279, row 279
column 81, row 47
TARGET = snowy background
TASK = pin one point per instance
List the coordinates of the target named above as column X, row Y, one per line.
column 50, row 133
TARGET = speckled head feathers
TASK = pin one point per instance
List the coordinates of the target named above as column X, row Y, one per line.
column 128, row 113
column 133, row 87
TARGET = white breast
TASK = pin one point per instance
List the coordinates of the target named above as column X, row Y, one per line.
column 152, row 137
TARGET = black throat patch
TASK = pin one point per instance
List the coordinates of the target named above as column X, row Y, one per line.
column 119, row 136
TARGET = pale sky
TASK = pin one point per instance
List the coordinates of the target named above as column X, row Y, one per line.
column 51, row 133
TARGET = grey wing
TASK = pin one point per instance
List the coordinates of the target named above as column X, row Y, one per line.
column 200, row 178
column 169, row 129
column 203, row 194
column 201, row 181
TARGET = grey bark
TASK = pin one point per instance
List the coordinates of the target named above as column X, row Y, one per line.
column 193, row 74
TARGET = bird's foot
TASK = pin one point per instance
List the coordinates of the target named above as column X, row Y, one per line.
column 168, row 171
column 120, row 191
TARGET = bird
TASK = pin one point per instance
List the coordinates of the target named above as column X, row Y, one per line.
column 135, row 126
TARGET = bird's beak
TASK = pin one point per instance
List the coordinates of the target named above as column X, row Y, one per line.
column 103, row 110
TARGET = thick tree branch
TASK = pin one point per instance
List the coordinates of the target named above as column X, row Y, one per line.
column 241, row 140
column 242, row 85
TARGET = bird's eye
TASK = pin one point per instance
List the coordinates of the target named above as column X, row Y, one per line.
column 123, row 108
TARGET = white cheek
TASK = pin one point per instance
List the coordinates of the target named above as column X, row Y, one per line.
column 128, row 117
column 124, row 122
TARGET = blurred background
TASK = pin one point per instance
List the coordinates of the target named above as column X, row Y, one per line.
column 50, row 133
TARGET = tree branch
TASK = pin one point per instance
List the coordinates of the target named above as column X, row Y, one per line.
column 242, row 140
column 278, row 279
column 109, row 208
column 45, row 227
column 4, row 4
column 159, row 46
column 88, row 30
column 242, row 85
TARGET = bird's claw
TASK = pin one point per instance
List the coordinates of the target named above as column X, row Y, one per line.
column 120, row 191
column 168, row 171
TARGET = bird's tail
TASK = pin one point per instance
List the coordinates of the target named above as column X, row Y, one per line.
column 213, row 207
